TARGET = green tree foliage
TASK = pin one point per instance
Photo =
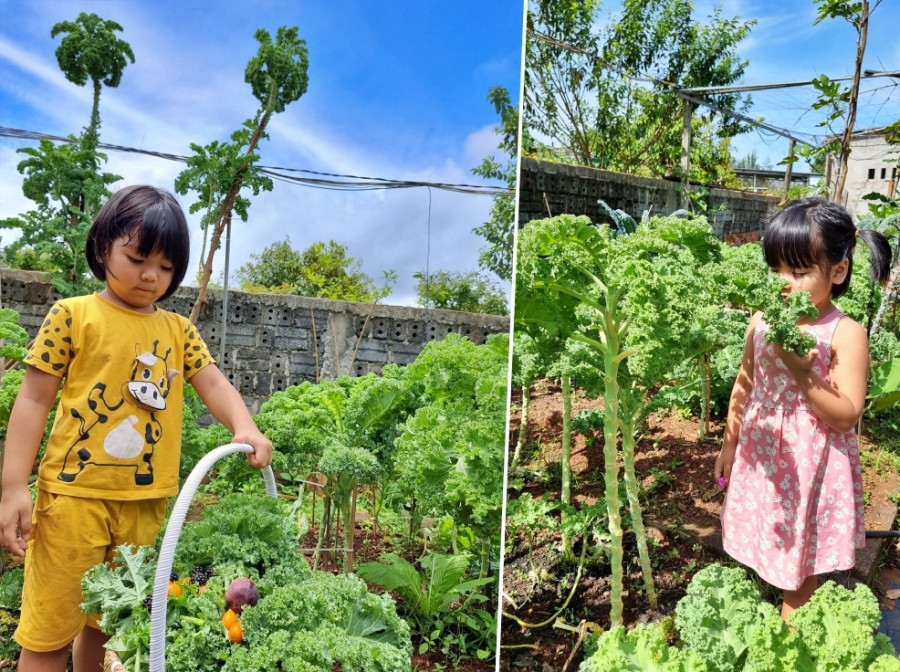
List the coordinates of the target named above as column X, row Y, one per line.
column 498, row 232
column 90, row 50
column 65, row 180
column 278, row 76
column 840, row 102
column 323, row 270
column 210, row 172
column 471, row 292
column 604, row 93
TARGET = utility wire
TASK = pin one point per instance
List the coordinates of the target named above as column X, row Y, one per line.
column 332, row 181
column 685, row 93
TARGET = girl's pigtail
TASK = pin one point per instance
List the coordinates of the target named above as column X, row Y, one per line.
column 880, row 254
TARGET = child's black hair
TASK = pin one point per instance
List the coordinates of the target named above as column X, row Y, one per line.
column 151, row 215
column 817, row 232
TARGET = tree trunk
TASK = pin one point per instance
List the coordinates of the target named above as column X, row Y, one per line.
column 225, row 217
column 852, row 104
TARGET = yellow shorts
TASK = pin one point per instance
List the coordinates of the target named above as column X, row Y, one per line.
column 69, row 535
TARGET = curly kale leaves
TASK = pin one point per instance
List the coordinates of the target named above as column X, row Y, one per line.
column 303, row 620
column 723, row 618
column 782, row 318
column 643, row 648
column 324, row 620
column 781, row 314
column 248, row 533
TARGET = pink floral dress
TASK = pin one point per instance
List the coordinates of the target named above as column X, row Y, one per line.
column 794, row 505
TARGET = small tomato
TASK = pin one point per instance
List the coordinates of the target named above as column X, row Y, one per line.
column 236, row 633
column 174, row 589
column 229, row 618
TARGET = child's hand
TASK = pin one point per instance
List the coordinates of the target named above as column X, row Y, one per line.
column 262, row 448
column 724, row 463
column 15, row 520
column 797, row 364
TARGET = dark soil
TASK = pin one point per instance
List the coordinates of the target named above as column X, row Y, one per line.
column 681, row 511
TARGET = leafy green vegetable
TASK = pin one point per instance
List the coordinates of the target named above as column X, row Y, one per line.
column 716, row 615
column 724, row 620
column 246, row 534
column 12, row 337
column 837, row 626
column 642, row 649
column 114, row 590
column 433, row 591
column 320, row 622
column 304, row 620
column 11, row 581
column 782, row 318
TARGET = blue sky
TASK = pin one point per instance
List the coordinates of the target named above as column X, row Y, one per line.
column 786, row 46
column 397, row 90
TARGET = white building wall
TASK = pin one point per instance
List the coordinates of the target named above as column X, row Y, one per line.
column 872, row 166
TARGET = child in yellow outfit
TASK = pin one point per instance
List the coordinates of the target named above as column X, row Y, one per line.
column 112, row 459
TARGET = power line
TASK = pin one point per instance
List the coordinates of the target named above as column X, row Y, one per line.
column 685, row 93
column 762, row 87
column 334, row 181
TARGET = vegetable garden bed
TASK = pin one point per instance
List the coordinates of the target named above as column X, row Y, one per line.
column 682, row 501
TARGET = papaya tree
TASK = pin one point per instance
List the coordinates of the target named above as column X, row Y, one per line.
column 277, row 76
column 91, row 50
column 65, row 180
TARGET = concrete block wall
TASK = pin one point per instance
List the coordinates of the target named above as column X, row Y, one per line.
column 548, row 189
column 273, row 341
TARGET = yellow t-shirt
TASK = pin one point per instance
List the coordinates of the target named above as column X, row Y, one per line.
column 117, row 433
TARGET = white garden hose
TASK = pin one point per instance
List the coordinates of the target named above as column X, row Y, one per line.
column 170, row 539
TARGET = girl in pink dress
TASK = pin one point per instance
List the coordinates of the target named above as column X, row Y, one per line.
column 794, row 505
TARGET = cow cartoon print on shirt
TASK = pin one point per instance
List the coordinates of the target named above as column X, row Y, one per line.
column 125, row 427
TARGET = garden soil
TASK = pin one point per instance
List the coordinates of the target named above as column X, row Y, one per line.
column 539, row 631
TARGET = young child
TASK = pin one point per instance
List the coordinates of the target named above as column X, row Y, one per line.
column 794, row 506
column 112, row 459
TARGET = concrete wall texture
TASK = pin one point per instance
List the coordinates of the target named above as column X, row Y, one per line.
column 547, row 189
column 274, row 341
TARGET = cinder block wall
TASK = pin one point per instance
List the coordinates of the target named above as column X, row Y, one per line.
column 548, row 189
column 273, row 341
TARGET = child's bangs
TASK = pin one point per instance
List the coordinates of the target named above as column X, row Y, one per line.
column 158, row 233
column 793, row 244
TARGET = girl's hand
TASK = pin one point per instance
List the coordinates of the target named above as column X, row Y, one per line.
column 15, row 520
column 262, row 448
column 795, row 363
column 724, row 463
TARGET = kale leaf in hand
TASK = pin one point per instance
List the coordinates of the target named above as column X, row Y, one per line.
column 782, row 317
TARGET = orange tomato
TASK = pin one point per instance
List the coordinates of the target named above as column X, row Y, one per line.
column 174, row 589
column 236, row 633
column 229, row 618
